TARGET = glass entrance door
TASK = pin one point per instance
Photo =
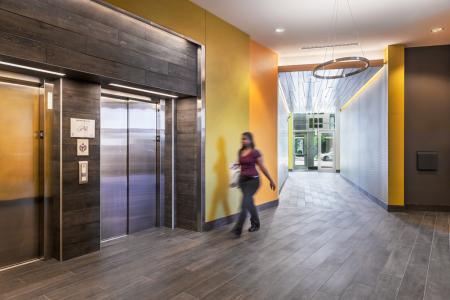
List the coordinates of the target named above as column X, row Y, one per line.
column 300, row 150
column 326, row 155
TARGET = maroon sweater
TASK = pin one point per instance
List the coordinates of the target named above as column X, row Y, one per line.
column 248, row 163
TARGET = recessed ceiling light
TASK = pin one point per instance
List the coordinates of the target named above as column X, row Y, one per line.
column 279, row 30
column 437, row 29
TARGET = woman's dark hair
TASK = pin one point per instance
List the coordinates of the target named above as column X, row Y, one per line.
column 249, row 136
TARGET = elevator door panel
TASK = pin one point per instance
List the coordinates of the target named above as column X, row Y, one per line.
column 142, row 165
column 113, row 168
column 19, row 174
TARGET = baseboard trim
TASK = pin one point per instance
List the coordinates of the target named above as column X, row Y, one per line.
column 207, row 226
column 370, row 196
column 420, row 207
column 282, row 184
column 396, row 208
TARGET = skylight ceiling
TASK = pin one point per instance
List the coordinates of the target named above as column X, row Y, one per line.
column 306, row 94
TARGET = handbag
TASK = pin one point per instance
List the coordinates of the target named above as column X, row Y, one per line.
column 235, row 174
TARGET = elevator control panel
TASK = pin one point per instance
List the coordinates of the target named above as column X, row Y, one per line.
column 83, row 172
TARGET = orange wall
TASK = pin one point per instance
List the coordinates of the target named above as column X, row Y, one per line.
column 263, row 112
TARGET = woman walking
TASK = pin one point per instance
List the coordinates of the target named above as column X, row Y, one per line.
column 249, row 183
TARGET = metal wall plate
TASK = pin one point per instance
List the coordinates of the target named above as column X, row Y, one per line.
column 427, row 160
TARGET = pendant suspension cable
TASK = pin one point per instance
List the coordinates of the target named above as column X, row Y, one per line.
column 326, row 66
column 335, row 27
column 333, row 12
column 356, row 31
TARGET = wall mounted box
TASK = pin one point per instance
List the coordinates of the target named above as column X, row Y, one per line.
column 427, row 161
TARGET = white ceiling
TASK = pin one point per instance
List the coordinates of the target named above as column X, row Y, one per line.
column 310, row 22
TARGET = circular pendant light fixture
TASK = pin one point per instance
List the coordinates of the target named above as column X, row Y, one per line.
column 319, row 71
column 326, row 65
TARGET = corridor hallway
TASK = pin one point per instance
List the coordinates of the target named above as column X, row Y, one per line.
column 326, row 240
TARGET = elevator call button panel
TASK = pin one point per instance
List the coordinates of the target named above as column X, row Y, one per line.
column 83, row 172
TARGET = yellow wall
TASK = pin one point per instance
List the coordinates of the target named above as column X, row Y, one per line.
column 227, row 92
column 291, row 142
column 396, row 119
column 264, row 113
column 181, row 16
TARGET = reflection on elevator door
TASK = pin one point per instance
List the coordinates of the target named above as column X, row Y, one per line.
column 141, row 165
column 19, row 174
column 113, row 168
column 127, row 166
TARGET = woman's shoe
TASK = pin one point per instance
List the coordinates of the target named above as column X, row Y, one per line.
column 237, row 231
column 253, row 228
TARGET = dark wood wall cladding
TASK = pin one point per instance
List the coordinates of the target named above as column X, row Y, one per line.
column 186, row 167
column 80, row 203
column 56, row 172
column 168, row 165
column 85, row 36
column 427, row 124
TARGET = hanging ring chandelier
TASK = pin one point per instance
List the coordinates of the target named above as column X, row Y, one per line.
column 347, row 59
column 322, row 67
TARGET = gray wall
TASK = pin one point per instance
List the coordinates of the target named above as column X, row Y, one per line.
column 427, row 124
column 283, row 143
column 78, row 225
column 187, row 170
column 83, row 36
column 97, row 45
column 364, row 140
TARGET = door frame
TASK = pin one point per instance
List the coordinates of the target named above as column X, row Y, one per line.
column 305, row 151
column 321, row 168
column 160, row 145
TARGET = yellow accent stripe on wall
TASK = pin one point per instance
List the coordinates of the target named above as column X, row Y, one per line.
column 362, row 89
column 291, row 142
column 395, row 56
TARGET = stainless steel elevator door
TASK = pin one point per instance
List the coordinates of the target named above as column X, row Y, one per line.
column 20, row 201
column 142, row 165
column 113, row 168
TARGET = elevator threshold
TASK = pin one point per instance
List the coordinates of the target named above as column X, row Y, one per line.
column 113, row 238
column 21, row 264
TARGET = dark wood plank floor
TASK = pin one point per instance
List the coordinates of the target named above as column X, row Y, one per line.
column 325, row 241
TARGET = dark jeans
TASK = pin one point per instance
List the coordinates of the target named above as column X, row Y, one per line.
column 249, row 186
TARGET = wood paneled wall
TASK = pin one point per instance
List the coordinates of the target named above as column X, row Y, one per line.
column 186, row 166
column 168, row 146
column 56, row 172
column 76, row 208
column 84, row 36
column 87, row 40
